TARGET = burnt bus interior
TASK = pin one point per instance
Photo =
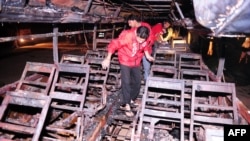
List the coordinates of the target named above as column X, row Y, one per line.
column 73, row 98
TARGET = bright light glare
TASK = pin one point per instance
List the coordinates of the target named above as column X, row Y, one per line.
column 21, row 40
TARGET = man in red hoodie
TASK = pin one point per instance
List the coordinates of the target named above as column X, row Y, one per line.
column 131, row 46
column 135, row 21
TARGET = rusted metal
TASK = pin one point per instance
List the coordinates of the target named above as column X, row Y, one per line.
column 68, row 94
column 243, row 110
column 189, row 74
column 95, row 134
column 190, row 61
column 18, row 125
column 225, row 114
column 40, row 85
column 165, row 56
column 97, row 84
column 163, row 71
column 179, row 44
column 163, row 100
column 114, row 75
column 74, row 59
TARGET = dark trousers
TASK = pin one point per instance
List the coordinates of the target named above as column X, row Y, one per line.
column 131, row 83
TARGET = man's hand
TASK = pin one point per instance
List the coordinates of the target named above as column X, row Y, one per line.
column 150, row 58
column 105, row 63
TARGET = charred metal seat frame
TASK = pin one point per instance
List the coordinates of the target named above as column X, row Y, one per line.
column 72, row 59
column 97, row 40
column 31, row 93
column 95, row 54
column 188, row 75
column 163, row 71
column 165, row 57
column 69, row 87
column 213, row 102
column 31, row 125
column 113, row 81
column 163, row 100
column 190, row 61
column 42, row 73
column 114, row 75
column 97, row 92
column 179, row 44
column 120, row 130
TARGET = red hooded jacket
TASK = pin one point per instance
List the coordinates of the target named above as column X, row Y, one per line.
column 150, row 39
column 156, row 29
column 130, row 52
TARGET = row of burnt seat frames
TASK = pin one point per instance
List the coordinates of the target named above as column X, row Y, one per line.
column 57, row 95
column 178, row 94
column 77, row 75
column 191, row 78
column 198, row 113
column 177, row 63
column 166, row 60
column 168, row 63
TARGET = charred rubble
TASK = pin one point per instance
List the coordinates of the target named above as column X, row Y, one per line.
column 78, row 100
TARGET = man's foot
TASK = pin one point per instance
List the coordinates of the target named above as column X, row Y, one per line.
column 136, row 102
column 129, row 113
column 127, row 109
column 143, row 82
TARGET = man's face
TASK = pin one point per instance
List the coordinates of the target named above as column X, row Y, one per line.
column 140, row 40
column 132, row 23
column 166, row 24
